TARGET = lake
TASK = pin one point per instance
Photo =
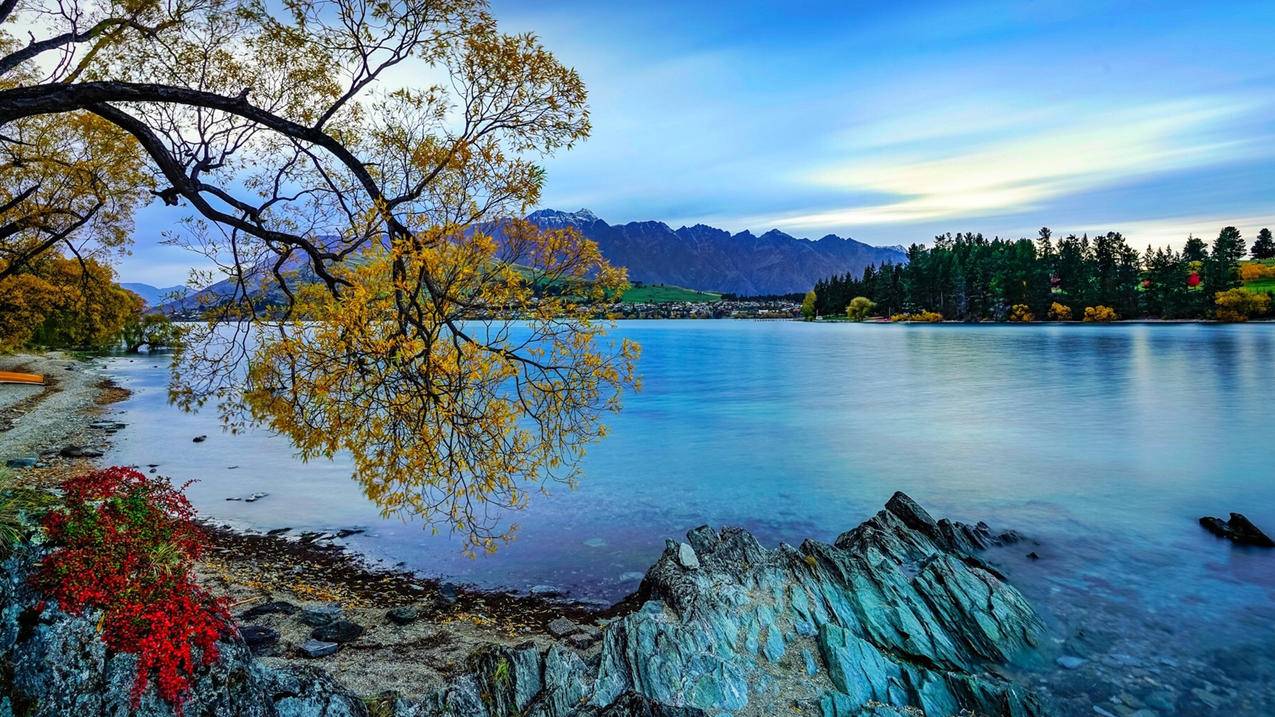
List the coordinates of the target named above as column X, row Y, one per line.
column 1102, row 443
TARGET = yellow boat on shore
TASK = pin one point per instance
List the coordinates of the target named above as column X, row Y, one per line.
column 15, row 377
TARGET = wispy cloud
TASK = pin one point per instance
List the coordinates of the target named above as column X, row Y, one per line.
column 1021, row 173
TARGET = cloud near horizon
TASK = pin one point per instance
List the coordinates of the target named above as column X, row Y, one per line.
column 1021, row 174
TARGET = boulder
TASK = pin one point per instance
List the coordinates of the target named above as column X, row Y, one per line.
column 316, row 615
column 74, row 451
column 404, row 615
column 273, row 607
column 341, row 631
column 318, row 648
column 261, row 640
column 1239, row 530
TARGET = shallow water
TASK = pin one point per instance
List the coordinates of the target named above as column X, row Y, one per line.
column 1102, row 443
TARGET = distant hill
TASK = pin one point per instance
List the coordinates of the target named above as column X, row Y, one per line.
column 154, row 296
column 710, row 259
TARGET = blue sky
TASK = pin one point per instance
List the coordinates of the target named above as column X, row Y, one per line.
column 893, row 122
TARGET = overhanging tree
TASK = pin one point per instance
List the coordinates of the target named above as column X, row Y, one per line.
column 307, row 144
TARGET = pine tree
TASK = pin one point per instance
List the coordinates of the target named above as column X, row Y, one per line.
column 1264, row 247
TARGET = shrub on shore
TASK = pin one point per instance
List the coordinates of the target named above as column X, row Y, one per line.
column 1059, row 312
column 1021, row 313
column 1235, row 305
column 925, row 317
column 125, row 544
column 1100, row 314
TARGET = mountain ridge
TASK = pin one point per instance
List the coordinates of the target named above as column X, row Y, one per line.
column 707, row 258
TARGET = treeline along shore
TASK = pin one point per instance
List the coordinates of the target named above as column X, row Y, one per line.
column 967, row 277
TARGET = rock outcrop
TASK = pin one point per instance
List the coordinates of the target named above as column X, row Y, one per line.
column 896, row 617
column 1238, row 529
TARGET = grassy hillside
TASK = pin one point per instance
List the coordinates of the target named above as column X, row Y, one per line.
column 661, row 294
column 1264, row 283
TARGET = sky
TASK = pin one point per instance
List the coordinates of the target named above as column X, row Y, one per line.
column 892, row 122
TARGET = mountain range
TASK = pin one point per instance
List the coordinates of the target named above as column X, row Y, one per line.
column 153, row 295
column 711, row 259
column 700, row 257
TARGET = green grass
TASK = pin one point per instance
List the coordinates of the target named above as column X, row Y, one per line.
column 1260, row 285
column 661, row 294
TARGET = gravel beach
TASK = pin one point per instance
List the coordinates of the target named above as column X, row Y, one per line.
column 276, row 584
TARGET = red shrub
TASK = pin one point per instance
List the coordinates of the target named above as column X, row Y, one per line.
column 125, row 544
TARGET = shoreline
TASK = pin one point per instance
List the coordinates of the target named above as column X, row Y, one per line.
column 452, row 622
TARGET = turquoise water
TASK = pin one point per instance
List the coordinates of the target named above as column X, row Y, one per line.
column 1103, row 443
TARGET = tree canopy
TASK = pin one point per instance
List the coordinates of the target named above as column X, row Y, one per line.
column 967, row 277
column 307, row 144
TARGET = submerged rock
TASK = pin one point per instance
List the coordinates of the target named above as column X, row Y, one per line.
column 1238, row 529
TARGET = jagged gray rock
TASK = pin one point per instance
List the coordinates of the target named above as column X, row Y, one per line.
column 897, row 617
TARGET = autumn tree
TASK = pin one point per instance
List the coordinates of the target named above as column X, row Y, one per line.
column 379, row 208
column 808, row 310
column 64, row 302
column 860, row 308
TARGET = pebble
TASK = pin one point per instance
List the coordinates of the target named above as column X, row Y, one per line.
column 22, row 462
column 1208, row 699
column 632, row 576
column 1104, row 713
column 339, row 631
column 1033, row 556
column 199, row 439
column 448, row 593
column 544, row 590
column 347, row 532
column 278, row 531
column 317, row 648
column 1070, row 662
column 1162, row 700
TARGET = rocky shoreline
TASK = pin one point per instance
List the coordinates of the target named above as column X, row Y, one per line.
column 896, row 617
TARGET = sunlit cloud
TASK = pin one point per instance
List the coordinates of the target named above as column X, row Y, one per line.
column 1173, row 231
column 1023, row 172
